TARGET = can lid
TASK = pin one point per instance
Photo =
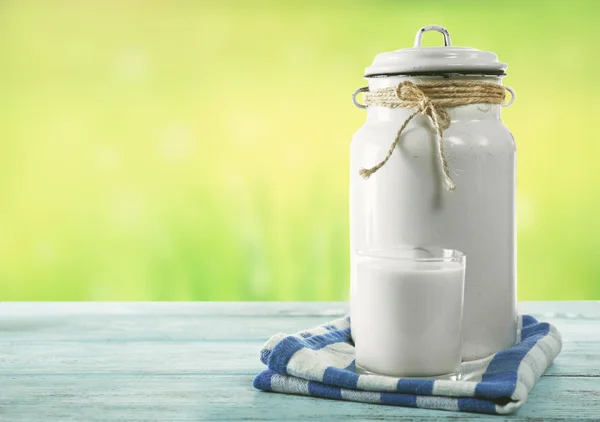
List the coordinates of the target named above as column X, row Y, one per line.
column 434, row 60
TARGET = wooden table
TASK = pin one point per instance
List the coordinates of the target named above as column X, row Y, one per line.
column 196, row 361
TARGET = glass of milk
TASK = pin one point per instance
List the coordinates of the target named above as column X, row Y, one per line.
column 407, row 308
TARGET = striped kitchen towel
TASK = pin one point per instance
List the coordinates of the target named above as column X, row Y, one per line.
column 320, row 363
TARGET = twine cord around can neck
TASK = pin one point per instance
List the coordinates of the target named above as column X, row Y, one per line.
column 431, row 100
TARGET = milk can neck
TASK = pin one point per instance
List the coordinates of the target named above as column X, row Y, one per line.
column 468, row 112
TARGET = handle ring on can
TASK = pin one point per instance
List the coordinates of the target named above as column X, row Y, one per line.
column 358, row 91
column 513, row 96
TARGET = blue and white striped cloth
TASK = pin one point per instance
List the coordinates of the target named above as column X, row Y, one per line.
column 320, row 363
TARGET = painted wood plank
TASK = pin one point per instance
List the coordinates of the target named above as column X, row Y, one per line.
column 67, row 336
column 581, row 337
column 167, row 327
column 190, row 357
column 176, row 397
column 138, row 358
column 196, row 361
column 150, row 328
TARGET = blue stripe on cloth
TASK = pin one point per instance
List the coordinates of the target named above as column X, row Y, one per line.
column 351, row 367
column 528, row 321
column 264, row 355
column 286, row 348
column 263, row 380
column 471, row 404
column 415, row 386
column 321, row 390
column 397, row 399
column 283, row 352
column 340, row 377
column 500, row 378
column 533, row 333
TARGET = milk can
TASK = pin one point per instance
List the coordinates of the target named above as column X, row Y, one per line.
column 434, row 165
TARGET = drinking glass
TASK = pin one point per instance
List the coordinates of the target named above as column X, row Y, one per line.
column 407, row 308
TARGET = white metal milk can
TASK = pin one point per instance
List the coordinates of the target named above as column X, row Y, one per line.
column 434, row 165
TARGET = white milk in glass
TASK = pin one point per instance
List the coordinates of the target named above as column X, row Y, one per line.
column 407, row 316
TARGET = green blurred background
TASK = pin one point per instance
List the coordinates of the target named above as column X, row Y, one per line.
column 198, row 150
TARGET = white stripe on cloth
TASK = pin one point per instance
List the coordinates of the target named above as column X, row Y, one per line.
column 338, row 324
column 272, row 342
column 292, row 385
column 364, row 396
column 317, row 331
column 339, row 355
column 445, row 403
column 533, row 365
column 306, row 363
column 341, row 323
column 474, row 370
column 377, row 382
column 311, row 364
column 454, row 389
column 554, row 340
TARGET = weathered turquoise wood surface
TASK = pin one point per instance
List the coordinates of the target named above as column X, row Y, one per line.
column 196, row 361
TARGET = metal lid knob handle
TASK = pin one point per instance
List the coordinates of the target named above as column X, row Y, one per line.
column 440, row 29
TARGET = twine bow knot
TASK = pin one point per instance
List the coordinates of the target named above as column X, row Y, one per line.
column 430, row 100
column 409, row 93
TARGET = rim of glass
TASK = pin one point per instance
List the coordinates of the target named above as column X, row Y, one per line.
column 436, row 254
